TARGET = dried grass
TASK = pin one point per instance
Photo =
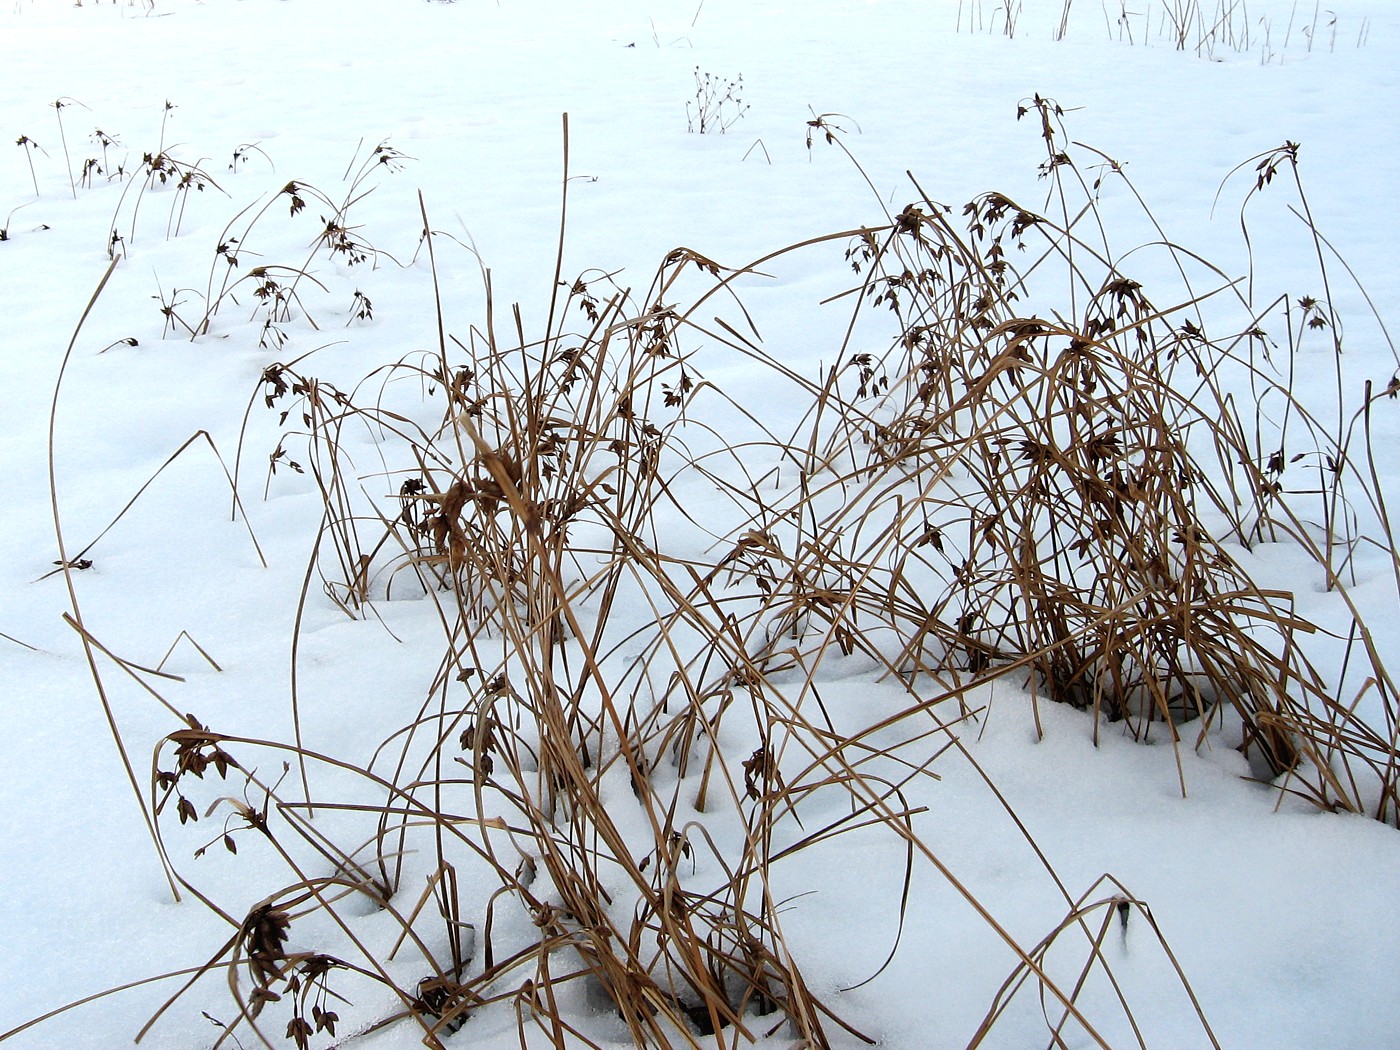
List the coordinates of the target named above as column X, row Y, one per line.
column 624, row 744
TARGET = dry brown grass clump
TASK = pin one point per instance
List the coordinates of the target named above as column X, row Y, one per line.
column 625, row 741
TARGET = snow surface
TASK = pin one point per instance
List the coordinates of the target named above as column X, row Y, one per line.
column 1286, row 920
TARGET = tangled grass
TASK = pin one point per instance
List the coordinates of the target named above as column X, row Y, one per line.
column 623, row 742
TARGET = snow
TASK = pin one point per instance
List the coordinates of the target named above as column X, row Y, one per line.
column 1282, row 918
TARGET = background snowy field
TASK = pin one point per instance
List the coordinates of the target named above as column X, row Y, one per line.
column 1284, row 919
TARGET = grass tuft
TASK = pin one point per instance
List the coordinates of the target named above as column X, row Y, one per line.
column 1019, row 466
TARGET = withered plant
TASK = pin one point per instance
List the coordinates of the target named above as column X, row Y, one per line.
column 27, row 144
column 277, row 288
column 717, row 106
column 1209, row 28
column 59, row 105
column 1019, row 467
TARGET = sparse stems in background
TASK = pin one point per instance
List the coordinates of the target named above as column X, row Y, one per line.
column 164, row 170
column 382, row 156
column 342, row 241
column 361, row 309
column 106, row 141
column 59, row 105
column 165, row 112
column 187, row 177
column 1187, row 26
column 232, row 249
column 338, row 236
column 1311, row 31
column 758, row 144
column 1125, row 24
column 9, row 220
column 1266, row 50
column 974, row 10
column 27, row 144
column 1063, row 26
column 717, row 105
column 1332, row 25
column 240, row 156
column 1180, row 12
column 1008, row 11
column 169, row 310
